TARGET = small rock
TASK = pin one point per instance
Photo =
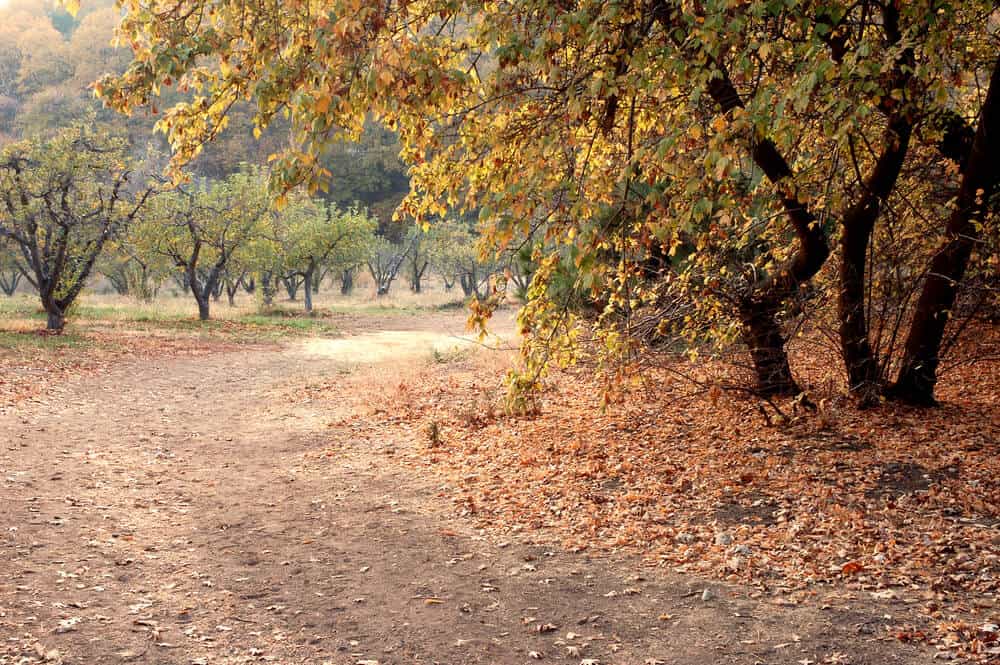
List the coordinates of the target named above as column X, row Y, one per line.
column 707, row 595
column 686, row 538
column 723, row 539
column 742, row 550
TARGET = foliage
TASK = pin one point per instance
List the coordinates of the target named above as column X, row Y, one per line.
column 454, row 251
column 313, row 234
column 385, row 260
column 63, row 198
column 756, row 138
column 203, row 229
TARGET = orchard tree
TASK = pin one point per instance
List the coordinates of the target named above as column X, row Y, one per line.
column 11, row 271
column 315, row 234
column 454, row 251
column 201, row 228
column 262, row 257
column 736, row 145
column 61, row 200
column 131, row 270
column 417, row 259
column 384, row 262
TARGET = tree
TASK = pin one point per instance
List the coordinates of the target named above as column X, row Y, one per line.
column 200, row 229
column 132, row 270
column 417, row 259
column 384, row 263
column 10, row 269
column 736, row 145
column 63, row 198
column 453, row 251
column 314, row 234
column 976, row 195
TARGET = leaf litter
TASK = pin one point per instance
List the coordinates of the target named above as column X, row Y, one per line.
column 897, row 505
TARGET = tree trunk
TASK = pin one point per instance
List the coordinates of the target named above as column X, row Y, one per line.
column 347, row 281
column 307, row 282
column 142, row 289
column 855, row 348
column 468, row 283
column 183, row 282
column 766, row 341
column 201, row 292
column 291, row 286
column 416, row 277
column 56, row 319
column 9, row 284
column 203, row 308
column 918, row 372
column 759, row 313
column 119, row 282
column 267, row 289
column 863, row 371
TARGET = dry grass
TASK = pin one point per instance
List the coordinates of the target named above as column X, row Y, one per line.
column 98, row 311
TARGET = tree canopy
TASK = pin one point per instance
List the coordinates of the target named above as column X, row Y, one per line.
column 697, row 157
column 62, row 200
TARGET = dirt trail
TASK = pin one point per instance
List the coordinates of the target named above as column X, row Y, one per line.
column 180, row 511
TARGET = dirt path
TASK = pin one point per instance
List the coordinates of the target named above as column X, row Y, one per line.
column 180, row 511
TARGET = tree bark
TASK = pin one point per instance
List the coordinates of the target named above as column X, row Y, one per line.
column 291, row 287
column 759, row 309
column 766, row 341
column 417, row 276
column 231, row 289
column 204, row 305
column 202, row 292
column 346, row 281
column 56, row 319
column 307, row 282
column 467, row 282
column 918, row 372
column 267, row 288
column 863, row 372
column 9, row 284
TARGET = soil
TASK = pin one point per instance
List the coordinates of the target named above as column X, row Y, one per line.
column 184, row 510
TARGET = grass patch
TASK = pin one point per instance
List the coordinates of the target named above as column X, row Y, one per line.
column 284, row 322
column 16, row 340
column 451, row 355
column 139, row 313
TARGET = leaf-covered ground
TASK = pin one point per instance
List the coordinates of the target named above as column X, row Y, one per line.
column 361, row 499
column 887, row 504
